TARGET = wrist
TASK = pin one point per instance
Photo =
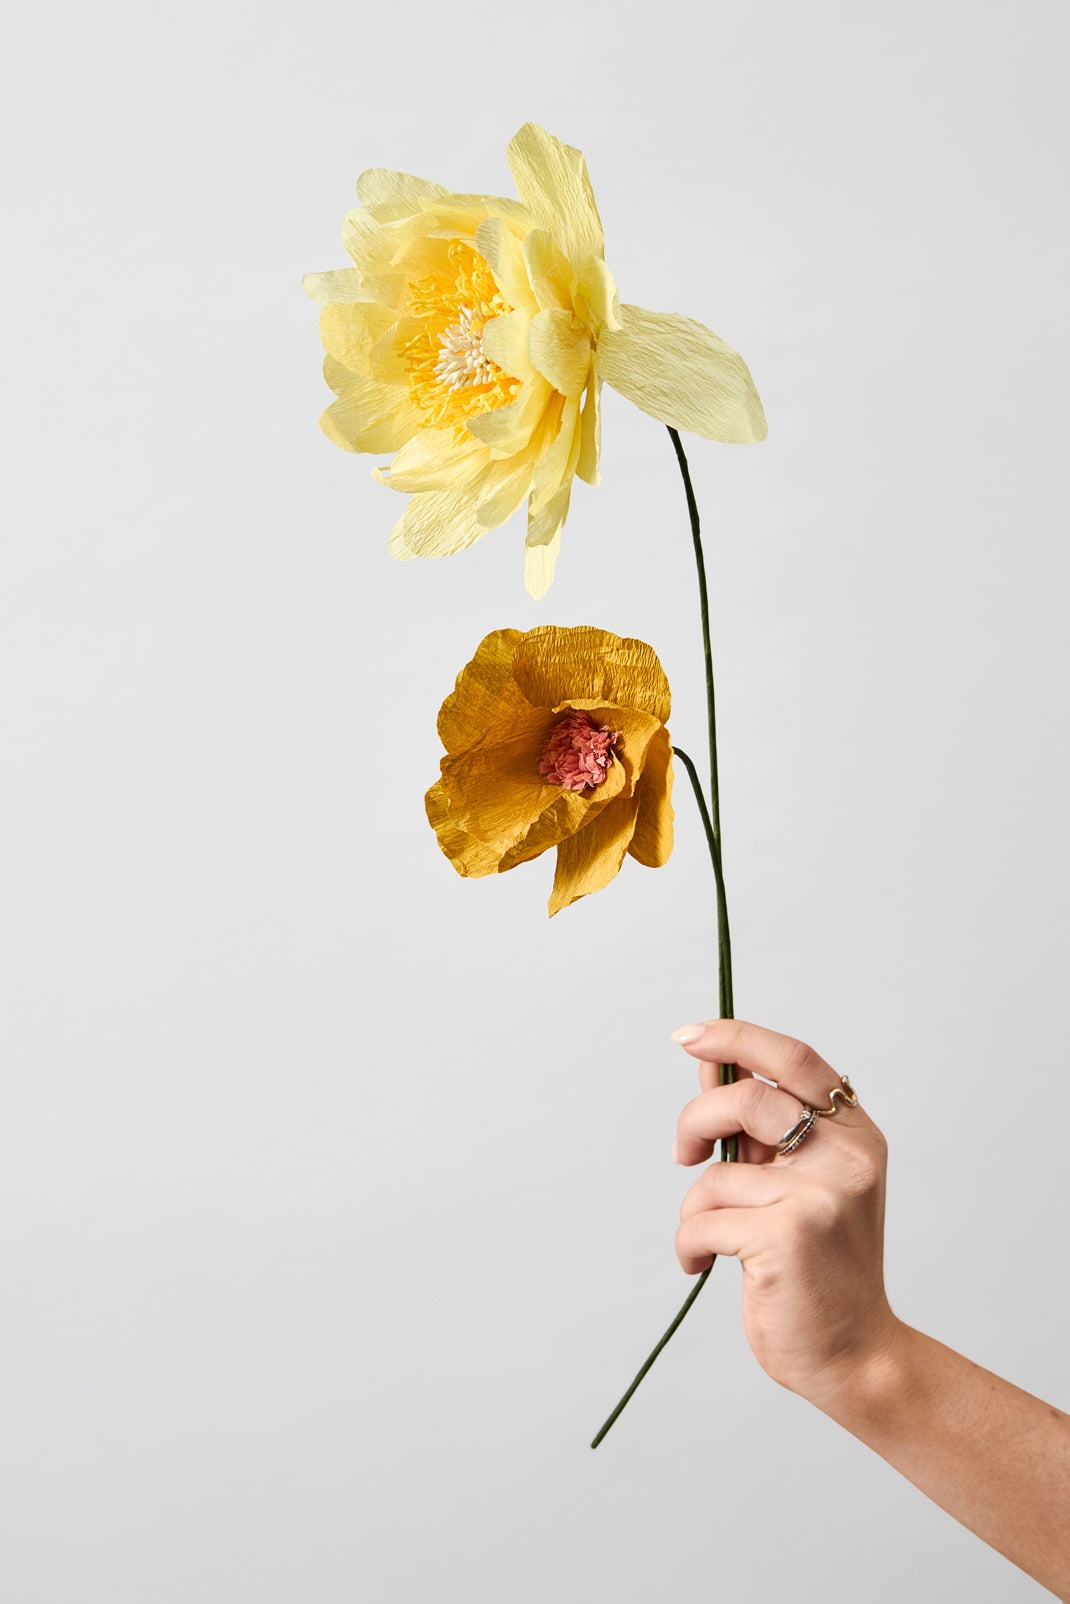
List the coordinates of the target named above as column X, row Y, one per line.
column 869, row 1388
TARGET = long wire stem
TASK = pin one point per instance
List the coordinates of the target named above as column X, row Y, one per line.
column 711, row 823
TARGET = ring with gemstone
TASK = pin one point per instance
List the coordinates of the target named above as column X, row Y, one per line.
column 798, row 1133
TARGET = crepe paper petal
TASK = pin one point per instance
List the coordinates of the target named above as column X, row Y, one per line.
column 353, row 332
column 590, row 434
column 431, row 460
column 503, row 251
column 436, row 523
column 680, row 373
column 497, row 804
column 510, row 428
column 555, row 468
column 468, row 855
column 553, row 665
column 505, row 341
column 596, row 298
column 388, row 195
column 540, row 560
column 653, row 839
column 484, row 685
column 367, row 416
column 508, row 487
column 473, row 317
column 340, row 284
column 549, row 273
column 551, row 180
column 465, row 212
column 497, row 796
column 589, row 860
column 560, row 348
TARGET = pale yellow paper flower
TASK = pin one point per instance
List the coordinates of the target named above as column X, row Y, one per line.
column 472, row 336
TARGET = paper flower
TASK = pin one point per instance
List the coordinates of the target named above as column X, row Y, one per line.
column 556, row 738
column 472, row 336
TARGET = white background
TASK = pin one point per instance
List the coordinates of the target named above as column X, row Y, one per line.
column 337, row 1203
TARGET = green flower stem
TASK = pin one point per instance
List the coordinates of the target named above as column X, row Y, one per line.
column 724, row 941
column 711, row 823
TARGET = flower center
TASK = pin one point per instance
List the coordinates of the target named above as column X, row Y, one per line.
column 451, row 377
column 577, row 752
column 463, row 361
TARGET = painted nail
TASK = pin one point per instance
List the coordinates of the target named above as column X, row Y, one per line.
column 687, row 1034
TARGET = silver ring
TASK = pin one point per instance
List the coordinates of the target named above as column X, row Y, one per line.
column 799, row 1132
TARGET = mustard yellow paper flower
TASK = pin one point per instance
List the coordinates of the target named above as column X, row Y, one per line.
column 556, row 738
column 472, row 337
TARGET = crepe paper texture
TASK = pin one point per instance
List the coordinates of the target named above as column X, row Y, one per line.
column 556, row 738
column 472, row 336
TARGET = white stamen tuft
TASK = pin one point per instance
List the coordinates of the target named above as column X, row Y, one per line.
column 463, row 363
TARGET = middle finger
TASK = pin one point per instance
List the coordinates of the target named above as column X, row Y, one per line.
column 747, row 1105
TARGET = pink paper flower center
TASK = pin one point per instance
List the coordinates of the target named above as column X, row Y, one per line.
column 577, row 752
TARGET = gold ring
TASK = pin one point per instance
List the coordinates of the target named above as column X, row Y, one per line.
column 844, row 1090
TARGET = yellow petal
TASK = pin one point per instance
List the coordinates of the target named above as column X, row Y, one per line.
column 367, row 416
column 590, row 859
column 485, row 692
column 551, row 180
column 468, row 855
column 596, row 299
column 463, row 214
column 496, row 794
column 558, row 462
column 434, row 460
column 352, row 331
column 341, row 284
column 363, row 238
column 508, row 429
column 389, row 195
column 503, row 252
column 539, row 563
column 652, row 841
column 678, row 372
column 505, row 341
column 508, row 487
column 546, row 522
column 590, row 434
column 549, row 273
column 560, row 349
column 553, row 665
column 436, row 523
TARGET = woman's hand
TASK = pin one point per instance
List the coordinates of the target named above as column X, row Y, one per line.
column 808, row 1228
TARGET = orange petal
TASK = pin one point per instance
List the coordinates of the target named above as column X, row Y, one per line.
column 469, row 856
column 652, row 841
column 590, row 859
column 553, row 665
column 484, row 692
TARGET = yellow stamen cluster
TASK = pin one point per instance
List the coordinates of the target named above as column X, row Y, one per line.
column 451, row 379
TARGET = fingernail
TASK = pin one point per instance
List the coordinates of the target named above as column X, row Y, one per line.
column 687, row 1033
column 675, row 1152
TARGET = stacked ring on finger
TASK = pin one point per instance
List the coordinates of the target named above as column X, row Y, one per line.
column 810, row 1116
column 798, row 1133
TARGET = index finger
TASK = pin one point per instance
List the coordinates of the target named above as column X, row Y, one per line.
column 791, row 1064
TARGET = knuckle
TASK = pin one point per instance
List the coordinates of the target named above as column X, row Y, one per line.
column 798, row 1058
column 751, row 1095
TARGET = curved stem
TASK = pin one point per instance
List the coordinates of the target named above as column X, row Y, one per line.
column 711, row 823
column 724, row 940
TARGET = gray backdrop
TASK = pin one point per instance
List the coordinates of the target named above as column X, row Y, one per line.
column 337, row 1201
